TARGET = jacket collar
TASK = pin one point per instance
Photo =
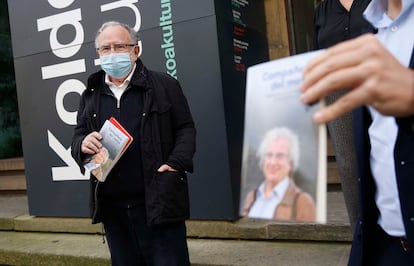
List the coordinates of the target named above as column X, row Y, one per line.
column 140, row 76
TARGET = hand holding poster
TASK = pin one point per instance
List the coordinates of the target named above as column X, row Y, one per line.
column 284, row 151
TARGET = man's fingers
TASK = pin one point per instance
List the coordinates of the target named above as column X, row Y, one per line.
column 95, row 136
column 368, row 70
column 344, row 55
column 163, row 168
column 91, row 144
column 342, row 47
column 341, row 106
column 330, row 65
column 344, row 78
column 166, row 167
column 86, row 150
column 95, row 143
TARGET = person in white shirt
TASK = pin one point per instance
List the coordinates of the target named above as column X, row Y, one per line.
column 379, row 70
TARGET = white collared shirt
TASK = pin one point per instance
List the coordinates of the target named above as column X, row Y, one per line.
column 264, row 208
column 119, row 90
column 398, row 37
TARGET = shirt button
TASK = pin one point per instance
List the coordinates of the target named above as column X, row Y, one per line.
column 394, row 28
column 402, row 162
column 346, row 28
column 412, row 219
column 94, row 115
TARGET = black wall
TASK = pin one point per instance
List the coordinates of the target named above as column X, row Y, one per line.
column 213, row 42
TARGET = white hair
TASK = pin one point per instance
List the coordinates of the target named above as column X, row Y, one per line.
column 132, row 33
column 281, row 133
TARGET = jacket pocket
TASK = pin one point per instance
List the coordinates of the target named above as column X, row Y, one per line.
column 172, row 197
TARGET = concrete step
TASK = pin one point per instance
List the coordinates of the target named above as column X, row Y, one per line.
column 12, row 177
column 22, row 248
column 14, row 216
column 29, row 240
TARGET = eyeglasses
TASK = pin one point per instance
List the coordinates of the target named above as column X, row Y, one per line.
column 117, row 48
column 276, row 155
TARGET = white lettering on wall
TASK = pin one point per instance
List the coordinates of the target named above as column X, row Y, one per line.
column 60, row 3
column 68, row 86
column 67, row 50
column 63, row 69
column 54, row 22
column 125, row 3
column 69, row 172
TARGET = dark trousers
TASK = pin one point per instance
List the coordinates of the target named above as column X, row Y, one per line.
column 132, row 242
column 385, row 250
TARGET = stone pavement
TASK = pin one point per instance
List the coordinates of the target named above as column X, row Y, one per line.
column 28, row 240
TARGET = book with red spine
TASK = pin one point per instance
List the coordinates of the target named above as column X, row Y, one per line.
column 122, row 129
column 115, row 140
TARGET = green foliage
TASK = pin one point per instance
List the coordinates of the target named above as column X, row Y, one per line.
column 10, row 140
column 10, row 137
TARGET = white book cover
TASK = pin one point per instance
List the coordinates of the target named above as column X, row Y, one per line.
column 115, row 140
column 269, row 165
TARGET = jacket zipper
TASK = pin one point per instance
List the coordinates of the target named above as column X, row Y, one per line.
column 118, row 101
column 96, row 200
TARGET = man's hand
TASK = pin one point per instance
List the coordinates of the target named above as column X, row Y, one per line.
column 91, row 143
column 166, row 167
column 374, row 76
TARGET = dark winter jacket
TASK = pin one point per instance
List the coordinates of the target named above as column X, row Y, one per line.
column 404, row 169
column 167, row 136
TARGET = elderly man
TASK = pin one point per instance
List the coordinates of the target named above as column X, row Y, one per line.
column 278, row 197
column 144, row 201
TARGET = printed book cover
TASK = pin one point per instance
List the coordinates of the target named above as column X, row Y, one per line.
column 284, row 151
column 115, row 140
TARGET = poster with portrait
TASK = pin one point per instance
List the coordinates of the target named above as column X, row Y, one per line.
column 284, row 151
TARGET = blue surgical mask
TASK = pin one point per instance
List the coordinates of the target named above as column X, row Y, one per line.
column 116, row 65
